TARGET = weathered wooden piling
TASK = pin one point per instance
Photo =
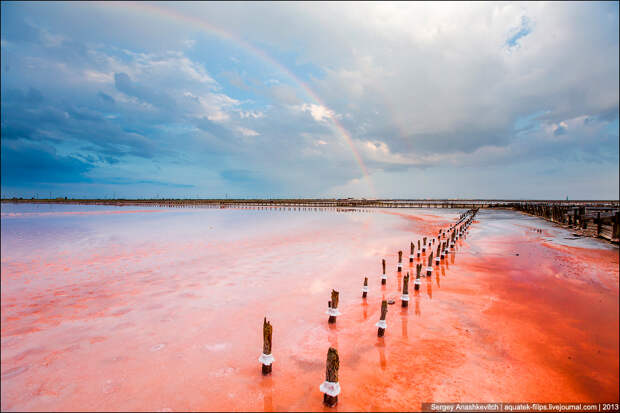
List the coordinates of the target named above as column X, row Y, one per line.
column 423, row 244
column 419, row 249
column 330, row 387
column 333, row 307
column 383, row 276
column 266, row 358
column 417, row 282
column 405, row 297
column 381, row 323
column 400, row 261
column 437, row 255
column 365, row 287
column 429, row 268
column 411, row 253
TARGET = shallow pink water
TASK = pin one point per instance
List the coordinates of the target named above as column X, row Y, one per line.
column 108, row 308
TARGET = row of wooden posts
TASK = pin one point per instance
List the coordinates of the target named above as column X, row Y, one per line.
column 596, row 221
column 446, row 240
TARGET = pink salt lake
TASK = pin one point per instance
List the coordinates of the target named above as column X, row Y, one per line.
column 143, row 308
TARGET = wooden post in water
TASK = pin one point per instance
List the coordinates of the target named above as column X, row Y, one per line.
column 429, row 268
column 423, row 244
column 437, row 259
column 330, row 387
column 333, row 307
column 400, row 261
column 411, row 252
column 365, row 287
column 405, row 297
column 383, row 276
column 417, row 282
column 266, row 358
column 419, row 249
column 381, row 323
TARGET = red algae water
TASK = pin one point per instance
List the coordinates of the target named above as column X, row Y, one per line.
column 157, row 309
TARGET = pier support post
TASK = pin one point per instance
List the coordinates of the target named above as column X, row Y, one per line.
column 330, row 387
column 333, row 308
column 383, row 276
column 382, row 324
column 266, row 358
column 405, row 297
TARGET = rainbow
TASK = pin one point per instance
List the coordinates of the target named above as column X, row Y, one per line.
column 214, row 30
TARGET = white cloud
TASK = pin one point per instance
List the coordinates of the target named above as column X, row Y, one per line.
column 247, row 132
column 319, row 113
column 254, row 114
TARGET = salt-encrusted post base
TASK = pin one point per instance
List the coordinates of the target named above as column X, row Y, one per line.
column 267, row 361
column 404, row 300
column 382, row 326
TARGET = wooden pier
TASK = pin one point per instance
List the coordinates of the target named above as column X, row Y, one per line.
column 597, row 218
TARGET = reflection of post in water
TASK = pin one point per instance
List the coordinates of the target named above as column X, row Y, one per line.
column 381, row 347
column 437, row 278
column 417, row 303
column 404, row 321
column 268, row 394
column 452, row 258
column 365, row 309
column 443, row 270
column 429, row 287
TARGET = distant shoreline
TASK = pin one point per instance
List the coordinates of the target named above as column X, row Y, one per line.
column 344, row 202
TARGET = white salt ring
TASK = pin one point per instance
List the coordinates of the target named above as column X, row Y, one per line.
column 411, row 256
column 400, row 265
column 381, row 324
column 417, row 281
column 330, row 388
column 437, row 259
column 333, row 312
column 404, row 297
column 266, row 359
column 384, row 277
column 365, row 289
column 429, row 269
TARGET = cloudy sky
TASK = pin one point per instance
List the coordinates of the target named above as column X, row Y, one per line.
column 390, row 100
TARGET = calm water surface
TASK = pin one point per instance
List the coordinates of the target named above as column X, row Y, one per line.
column 145, row 308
